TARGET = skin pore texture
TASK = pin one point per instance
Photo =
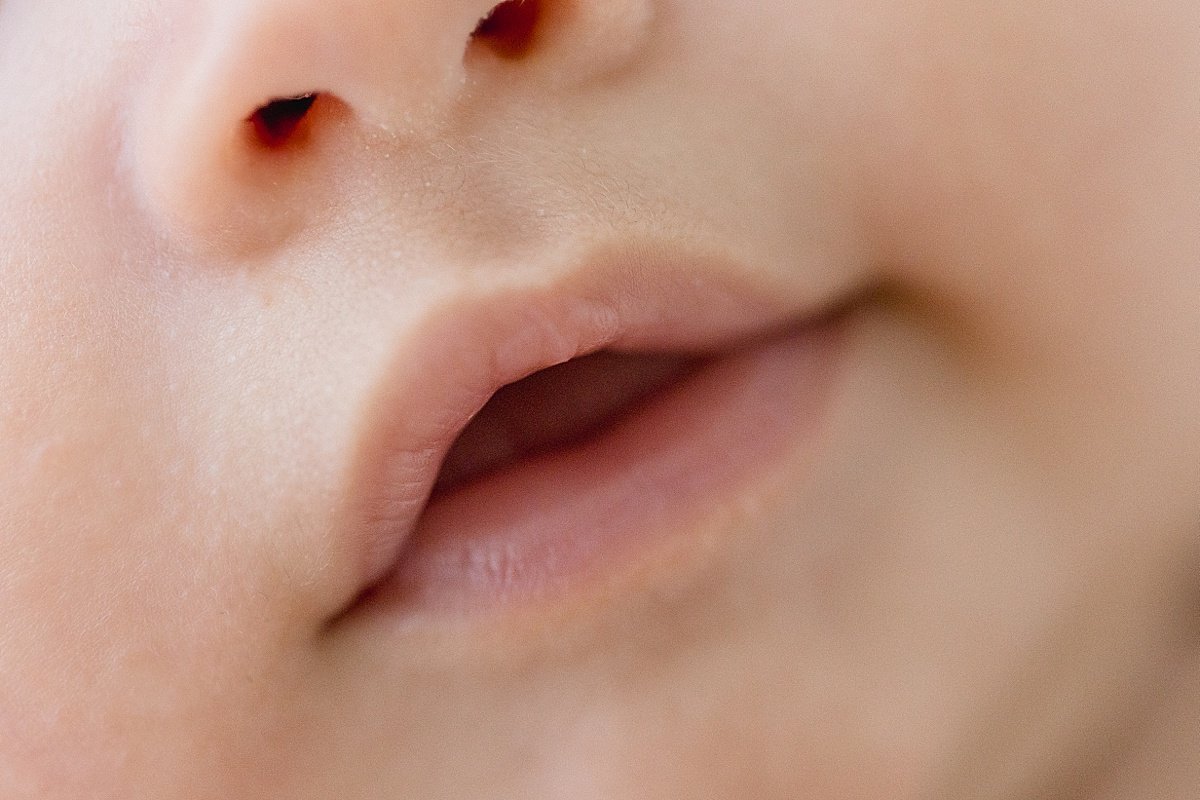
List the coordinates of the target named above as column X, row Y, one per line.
column 976, row 576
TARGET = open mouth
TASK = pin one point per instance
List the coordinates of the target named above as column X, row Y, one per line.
column 558, row 408
column 545, row 444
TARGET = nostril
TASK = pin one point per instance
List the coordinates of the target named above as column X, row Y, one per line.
column 276, row 123
column 509, row 29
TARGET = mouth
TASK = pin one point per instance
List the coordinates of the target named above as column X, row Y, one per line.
column 533, row 443
column 558, row 409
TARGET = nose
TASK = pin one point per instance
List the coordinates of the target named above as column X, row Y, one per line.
column 248, row 84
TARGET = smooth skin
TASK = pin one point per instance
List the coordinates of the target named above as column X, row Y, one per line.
column 983, row 584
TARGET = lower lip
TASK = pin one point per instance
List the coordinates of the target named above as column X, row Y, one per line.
column 554, row 524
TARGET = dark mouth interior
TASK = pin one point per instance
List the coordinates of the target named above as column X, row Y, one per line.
column 558, row 407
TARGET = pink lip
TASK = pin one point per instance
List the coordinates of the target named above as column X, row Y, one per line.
column 549, row 522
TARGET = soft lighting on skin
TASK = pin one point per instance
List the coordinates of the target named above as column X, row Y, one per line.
column 598, row 399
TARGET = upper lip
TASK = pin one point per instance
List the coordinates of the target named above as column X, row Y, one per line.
column 483, row 338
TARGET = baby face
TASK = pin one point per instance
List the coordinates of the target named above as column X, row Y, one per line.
column 612, row 398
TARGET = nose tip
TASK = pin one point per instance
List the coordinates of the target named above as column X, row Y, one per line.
column 383, row 58
column 387, row 60
column 251, row 75
column 507, row 30
column 220, row 132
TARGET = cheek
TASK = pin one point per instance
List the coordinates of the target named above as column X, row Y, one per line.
column 1026, row 144
column 112, row 584
column 1036, row 189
